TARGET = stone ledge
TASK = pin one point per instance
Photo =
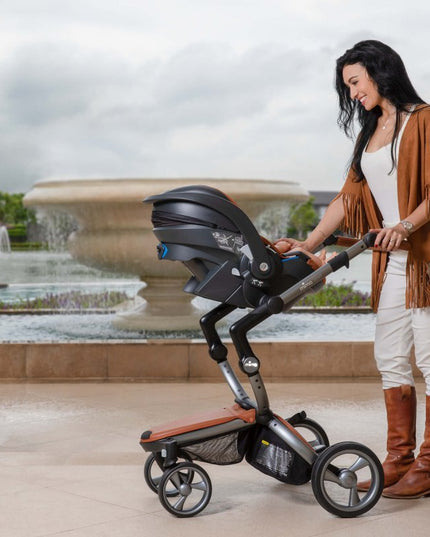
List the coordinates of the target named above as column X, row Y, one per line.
column 182, row 360
column 65, row 311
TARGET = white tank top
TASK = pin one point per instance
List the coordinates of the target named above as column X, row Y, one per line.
column 376, row 167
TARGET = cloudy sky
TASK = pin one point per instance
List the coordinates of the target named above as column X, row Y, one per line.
column 187, row 88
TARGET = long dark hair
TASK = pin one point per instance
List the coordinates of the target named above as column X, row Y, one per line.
column 388, row 71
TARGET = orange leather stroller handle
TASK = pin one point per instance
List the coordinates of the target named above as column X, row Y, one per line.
column 349, row 241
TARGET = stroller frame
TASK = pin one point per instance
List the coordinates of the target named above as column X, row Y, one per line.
column 185, row 489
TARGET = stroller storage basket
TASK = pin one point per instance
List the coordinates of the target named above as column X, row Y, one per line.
column 221, row 450
column 272, row 456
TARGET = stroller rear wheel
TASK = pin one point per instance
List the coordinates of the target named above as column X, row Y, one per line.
column 335, row 475
column 153, row 472
column 193, row 486
column 312, row 432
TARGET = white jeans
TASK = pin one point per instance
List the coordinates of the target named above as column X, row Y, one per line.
column 398, row 329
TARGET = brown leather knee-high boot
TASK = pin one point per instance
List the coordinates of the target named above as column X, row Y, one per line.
column 416, row 482
column 401, row 407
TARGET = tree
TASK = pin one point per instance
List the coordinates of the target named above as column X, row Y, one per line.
column 12, row 210
column 303, row 218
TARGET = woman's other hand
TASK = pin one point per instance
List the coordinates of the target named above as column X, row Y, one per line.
column 390, row 238
column 286, row 244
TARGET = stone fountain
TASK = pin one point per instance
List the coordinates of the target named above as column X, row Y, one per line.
column 115, row 234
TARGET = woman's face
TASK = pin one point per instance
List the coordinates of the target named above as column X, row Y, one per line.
column 361, row 86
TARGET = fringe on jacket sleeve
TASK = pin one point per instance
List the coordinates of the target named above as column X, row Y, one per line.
column 355, row 220
column 417, row 283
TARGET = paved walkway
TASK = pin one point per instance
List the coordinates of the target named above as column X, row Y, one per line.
column 71, row 466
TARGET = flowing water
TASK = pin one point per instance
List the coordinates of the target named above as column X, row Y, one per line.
column 4, row 240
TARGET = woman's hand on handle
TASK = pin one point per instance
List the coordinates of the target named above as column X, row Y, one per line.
column 390, row 239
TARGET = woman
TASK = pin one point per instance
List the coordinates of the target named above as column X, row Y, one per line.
column 387, row 191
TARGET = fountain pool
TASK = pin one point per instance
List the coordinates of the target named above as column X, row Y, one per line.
column 33, row 274
column 98, row 327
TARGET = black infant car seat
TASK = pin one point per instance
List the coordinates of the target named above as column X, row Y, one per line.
column 229, row 261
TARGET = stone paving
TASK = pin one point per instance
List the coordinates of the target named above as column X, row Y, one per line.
column 71, row 465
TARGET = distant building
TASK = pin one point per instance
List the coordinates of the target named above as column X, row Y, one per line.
column 322, row 199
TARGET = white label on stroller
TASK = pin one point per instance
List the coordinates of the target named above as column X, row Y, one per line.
column 307, row 284
column 274, row 458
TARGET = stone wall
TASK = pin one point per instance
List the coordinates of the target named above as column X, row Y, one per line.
column 181, row 360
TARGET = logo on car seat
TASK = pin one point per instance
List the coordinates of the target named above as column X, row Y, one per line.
column 231, row 242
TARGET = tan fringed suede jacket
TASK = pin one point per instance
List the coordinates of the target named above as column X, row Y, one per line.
column 413, row 187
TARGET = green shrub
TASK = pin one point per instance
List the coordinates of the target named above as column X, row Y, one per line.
column 24, row 246
column 17, row 233
column 70, row 300
column 336, row 296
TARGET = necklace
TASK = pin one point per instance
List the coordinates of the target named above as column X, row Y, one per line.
column 384, row 126
column 388, row 120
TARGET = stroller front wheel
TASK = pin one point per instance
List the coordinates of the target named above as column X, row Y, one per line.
column 335, row 475
column 153, row 472
column 193, row 486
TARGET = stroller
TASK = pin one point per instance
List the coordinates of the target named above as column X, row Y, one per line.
column 233, row 265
